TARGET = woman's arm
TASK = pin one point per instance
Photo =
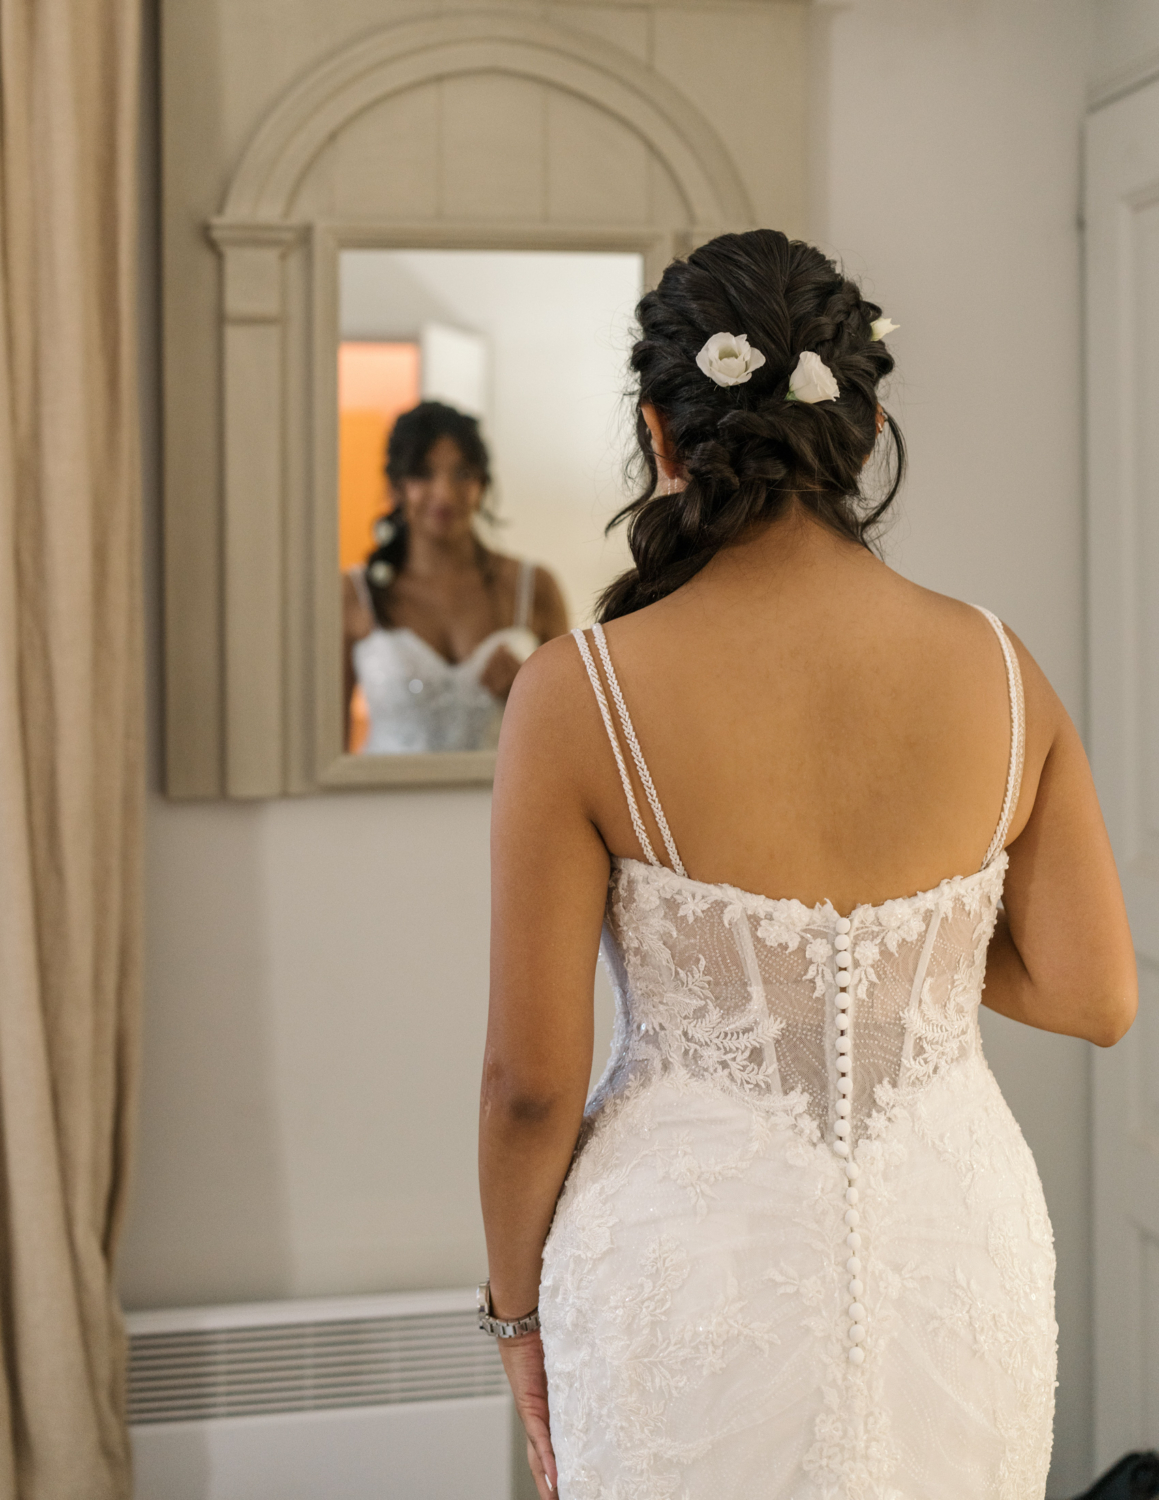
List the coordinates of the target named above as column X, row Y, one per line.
column 1062, row 958
column 549, row 885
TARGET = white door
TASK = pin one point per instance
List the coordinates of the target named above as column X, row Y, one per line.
column 1122, row 212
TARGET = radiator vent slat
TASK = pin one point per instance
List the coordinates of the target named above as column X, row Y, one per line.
column 375, row 1358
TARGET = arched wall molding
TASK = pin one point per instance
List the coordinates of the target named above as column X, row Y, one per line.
column 404, row 56
column 276, row 575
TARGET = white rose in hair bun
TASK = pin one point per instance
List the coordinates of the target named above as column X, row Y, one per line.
column 881, row 328
column 812, row 381
column 729, row 359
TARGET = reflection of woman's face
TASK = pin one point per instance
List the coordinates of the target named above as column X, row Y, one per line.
column 440, row 502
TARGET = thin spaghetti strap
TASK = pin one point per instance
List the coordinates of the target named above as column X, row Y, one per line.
column 637, row 754
column 524, row 592
column 1017, row 737
column 633, row 808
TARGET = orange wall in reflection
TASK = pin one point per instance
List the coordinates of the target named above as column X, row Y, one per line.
column 376, row 382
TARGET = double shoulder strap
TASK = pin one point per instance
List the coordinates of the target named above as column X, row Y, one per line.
column 633, row 745
column 1013, row 775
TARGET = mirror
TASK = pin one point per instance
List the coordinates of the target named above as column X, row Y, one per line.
column 482, row 431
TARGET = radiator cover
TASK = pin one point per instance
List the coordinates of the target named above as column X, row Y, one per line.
column 363, row 1398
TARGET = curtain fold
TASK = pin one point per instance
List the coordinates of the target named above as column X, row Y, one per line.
column 71, row 734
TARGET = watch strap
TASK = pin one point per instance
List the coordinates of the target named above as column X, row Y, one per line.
column 503, row 1328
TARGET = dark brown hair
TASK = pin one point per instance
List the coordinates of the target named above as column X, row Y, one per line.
column 746, row 449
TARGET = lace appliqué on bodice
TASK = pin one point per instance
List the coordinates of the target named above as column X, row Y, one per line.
column 740, row 991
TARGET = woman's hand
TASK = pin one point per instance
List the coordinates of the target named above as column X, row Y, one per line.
column 499, row 673
column 523, row 1361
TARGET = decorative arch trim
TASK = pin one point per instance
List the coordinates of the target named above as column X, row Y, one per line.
column 402, row 57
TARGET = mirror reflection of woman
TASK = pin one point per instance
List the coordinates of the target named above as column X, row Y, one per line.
column 436, row 624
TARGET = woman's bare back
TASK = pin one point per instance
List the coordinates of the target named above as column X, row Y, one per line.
column 817, row 726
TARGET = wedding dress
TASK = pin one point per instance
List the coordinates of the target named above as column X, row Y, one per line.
column 802, row 1252
column 419, row 701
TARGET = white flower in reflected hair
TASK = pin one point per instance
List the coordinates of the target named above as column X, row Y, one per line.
column 812, row 380
column 729, row 359
column 881, row 328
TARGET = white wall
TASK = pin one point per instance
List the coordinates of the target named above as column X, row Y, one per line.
column 1126, row 40
column 947, row 177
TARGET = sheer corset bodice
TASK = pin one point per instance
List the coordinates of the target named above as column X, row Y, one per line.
column 740, row 992
column 802, row 1251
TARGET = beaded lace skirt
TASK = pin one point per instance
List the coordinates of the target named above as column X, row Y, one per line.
column 803, row 1252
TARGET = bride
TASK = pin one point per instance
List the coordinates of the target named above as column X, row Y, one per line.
column 796, row 1246
column 436, row 624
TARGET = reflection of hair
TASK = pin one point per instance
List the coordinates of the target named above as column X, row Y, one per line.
column 746, row 449
column 411, row 439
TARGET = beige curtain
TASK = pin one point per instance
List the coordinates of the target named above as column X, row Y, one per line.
column 70, row 734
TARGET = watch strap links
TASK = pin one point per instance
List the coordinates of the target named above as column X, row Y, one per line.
column 503, row 1328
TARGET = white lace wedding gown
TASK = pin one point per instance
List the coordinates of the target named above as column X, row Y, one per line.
column 803, row 1252
column 417, row 700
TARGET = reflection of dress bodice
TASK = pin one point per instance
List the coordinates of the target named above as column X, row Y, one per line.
column 802, row 1251
column 418, row 700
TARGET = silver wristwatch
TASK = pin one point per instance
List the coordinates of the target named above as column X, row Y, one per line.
column 503, row 1328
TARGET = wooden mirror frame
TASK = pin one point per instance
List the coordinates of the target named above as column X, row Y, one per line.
column 335, row 767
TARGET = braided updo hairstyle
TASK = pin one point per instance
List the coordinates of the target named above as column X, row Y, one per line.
column 746, row 449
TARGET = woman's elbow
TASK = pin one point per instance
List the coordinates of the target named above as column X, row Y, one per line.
column 1103, row 1016
column 1114, row 1020
column 520, row 1100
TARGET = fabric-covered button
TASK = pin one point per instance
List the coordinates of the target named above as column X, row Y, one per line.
column 844, row 1085
column 844, row 1044
column 841, row 1148
column 853, row 1240
column 853, row 1266
column 843, row 1019
column 843, row 924
column 841, row 1128
column 843, row 959
column 843, row 977
column 852, row 1170
column 852, row 1218
column 856, row 1288
column 857, row 1355
column 851, row 1195
column 857, row 1312
column 844, row 1065
column 843, row 1106
column 857, row 1333
column 841, row 942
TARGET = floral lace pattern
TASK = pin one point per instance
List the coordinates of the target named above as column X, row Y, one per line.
column 803, row 1250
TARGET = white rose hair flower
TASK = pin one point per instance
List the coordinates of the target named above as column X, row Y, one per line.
column 812, row 380
column 729, row 359
column 881, row 328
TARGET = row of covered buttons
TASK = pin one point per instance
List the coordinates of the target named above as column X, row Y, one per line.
column 842, row 1129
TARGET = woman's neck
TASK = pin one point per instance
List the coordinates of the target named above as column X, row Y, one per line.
column 429, row 557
